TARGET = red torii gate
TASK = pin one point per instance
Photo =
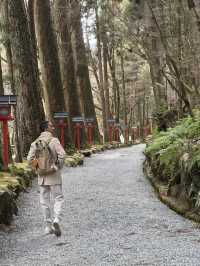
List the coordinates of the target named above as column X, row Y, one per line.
column 89, row 124
column 79, row 123
column 6, row 101
column 111, row 123
column 117, row 132
column 61, row 117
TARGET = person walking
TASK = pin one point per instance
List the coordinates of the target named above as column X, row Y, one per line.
column 46, row 156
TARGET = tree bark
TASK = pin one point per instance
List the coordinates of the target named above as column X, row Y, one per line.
column 67, row 62
column 100, row 67
column 1, row 93
column 81, row 65
column 1, row 79
column 105, row 68
column 29, row 104
column 9, row 57
column 123, row 87
column 173, row 67
column 115, row 85
column 30, row 10
column 48, row 55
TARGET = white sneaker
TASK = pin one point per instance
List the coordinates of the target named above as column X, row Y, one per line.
column 48, row 230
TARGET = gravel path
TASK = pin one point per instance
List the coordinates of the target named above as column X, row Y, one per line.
column 111, row 217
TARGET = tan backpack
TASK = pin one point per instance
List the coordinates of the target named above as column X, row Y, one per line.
column 44, row 157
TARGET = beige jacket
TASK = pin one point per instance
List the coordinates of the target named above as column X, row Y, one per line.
column 58, row 155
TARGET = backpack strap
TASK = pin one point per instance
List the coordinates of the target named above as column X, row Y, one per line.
column 47, row 141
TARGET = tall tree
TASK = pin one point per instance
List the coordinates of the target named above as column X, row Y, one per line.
column 31, row 22
column 155, row 60
column 48, row 55
column 123, row 86
column 1, row 79
column 81, row 64
column 105, row 70
column 100, row 68
column 1, row 93
column 29, row 104
column 66, row 61
column 8, row 49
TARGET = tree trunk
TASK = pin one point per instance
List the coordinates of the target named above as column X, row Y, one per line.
column 115, row 85
column 123, row 87
column 29, row 104
column 7, row 45
column 157, row 76
column 48, row 55
column 105, row 68
column 30, row 10
column 104, row 118
column 1, row 79
column 81, row 66
column 67, row 62
column 158, row 83
column 155, row 58
column 1, row 93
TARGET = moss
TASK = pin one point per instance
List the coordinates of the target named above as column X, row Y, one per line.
column 8, row 206
column 74, row 160
column 12, row 183
column 182, row 207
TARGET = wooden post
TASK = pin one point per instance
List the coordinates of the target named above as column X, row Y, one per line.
column 5, row 144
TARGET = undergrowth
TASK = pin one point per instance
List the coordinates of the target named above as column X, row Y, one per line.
column 174, row 157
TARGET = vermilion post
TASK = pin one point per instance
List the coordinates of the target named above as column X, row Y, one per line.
column 78, row 136
column 91, row 133
column 62, row 135
column 75, row 137
column 5, row 144
column 62, row 126
column 117, row 134
column 126, row 135
column 6, row 101
column 88, row 134
column 91, row 136
column 110, row 134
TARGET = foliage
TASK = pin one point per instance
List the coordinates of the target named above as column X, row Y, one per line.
column 195, row 158
column 186, row 128
column 169, row 158
column 174, row 156
column 70, row 149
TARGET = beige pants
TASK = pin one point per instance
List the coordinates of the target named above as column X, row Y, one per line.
column 45, row 193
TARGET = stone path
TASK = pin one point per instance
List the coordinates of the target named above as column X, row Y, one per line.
column 111, row 217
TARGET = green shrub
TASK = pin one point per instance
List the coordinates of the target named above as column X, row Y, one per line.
column 166, row 148
column 169, row 158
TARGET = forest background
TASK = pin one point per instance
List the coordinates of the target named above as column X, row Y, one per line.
column 133, row 61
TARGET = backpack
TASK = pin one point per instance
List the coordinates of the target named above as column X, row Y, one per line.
column 44, row 157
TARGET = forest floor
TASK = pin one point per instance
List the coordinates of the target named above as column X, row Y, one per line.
column 111, row 217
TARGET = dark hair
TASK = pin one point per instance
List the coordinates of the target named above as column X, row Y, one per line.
column 44, row 126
